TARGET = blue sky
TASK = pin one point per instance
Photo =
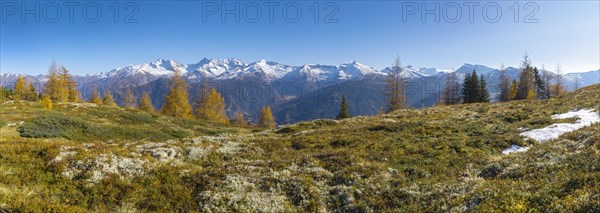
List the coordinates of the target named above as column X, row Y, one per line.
column 372, row 32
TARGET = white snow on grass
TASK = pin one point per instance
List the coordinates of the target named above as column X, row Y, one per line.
column 587, row 117
column 515, row 148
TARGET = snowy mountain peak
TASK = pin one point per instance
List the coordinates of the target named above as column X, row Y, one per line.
column 165, row 64
column 272, row 70
column 262, row 61
column 480, row 69
column 355, row 69
column 408, row 71
column 215, row 67
column 305, row 67
column 203, row 61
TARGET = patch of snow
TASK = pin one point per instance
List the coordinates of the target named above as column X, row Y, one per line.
column 587, row 117
column 515, row 148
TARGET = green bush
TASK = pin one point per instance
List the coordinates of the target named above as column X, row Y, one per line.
column 511, row 117
column 491, row 171
column 177, row 133
column 340, row 143
column 137, row 118
column 297, row 145
column 539, row 122
column 285, row 130
column 50, row 126
column 384, row 128
column 318, row 123
column 103, row 112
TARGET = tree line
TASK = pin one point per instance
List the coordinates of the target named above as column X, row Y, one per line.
column 532, row 84
column 61, row 87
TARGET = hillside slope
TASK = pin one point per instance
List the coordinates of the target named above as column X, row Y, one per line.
column 80, row 157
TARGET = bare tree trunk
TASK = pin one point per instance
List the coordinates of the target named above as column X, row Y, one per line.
column 395, row 86
column 450, row 94
column 559, row 80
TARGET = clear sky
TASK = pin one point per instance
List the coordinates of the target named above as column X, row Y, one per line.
column 372, row 32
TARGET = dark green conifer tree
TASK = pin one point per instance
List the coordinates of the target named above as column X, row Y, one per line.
column 344, row 112
column 471, row 88
column 484, row 95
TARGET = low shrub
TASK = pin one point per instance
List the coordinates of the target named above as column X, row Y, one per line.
column 177, row 133
column 137, row 118
column 514, row 116
column 384, row 128
column 298, row 145
column 340, row 143
column 539, row 122
column 102, row 112
column 491, row 171
column 285, row 130
column 50, row 126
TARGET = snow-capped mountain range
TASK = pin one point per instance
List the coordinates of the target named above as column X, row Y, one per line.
column 233, row 68
column 269, row 71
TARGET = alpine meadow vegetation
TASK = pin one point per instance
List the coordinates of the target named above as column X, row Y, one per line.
column 80, row 157
column 59, row 154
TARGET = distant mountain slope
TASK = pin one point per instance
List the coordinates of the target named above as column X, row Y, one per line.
column 583, row 79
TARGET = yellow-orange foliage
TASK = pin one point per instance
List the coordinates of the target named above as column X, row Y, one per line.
column 177, row 103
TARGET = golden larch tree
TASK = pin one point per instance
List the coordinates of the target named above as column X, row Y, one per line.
column 212, row 108
column 238, row 119
column 46, row 102
column 51, row 88
column 64, row 81
column 531, row 95
column 95, row 96
column 557, row 90
column 20, row 89
column 129, row 99
column 177, row 103
column 526, row 80
column 266, row 118
column 32, row 94
column 73, row 92
column 512, row 93
column 145, row 103
column 108, row 99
